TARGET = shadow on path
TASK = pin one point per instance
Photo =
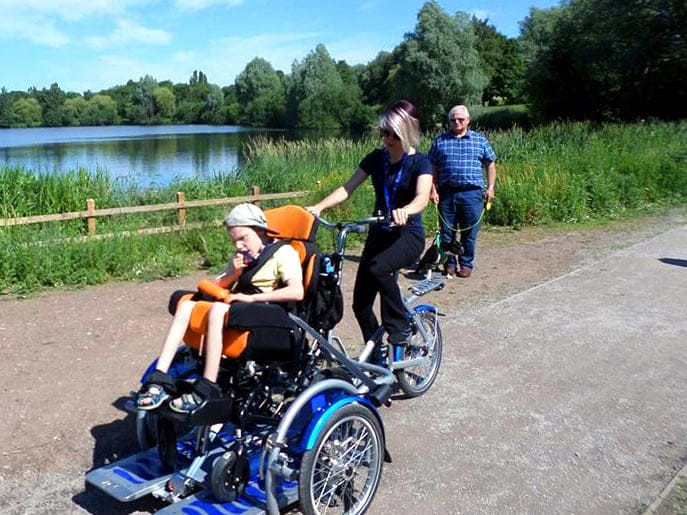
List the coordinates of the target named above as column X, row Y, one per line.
column 674, row 261
column 114, row 441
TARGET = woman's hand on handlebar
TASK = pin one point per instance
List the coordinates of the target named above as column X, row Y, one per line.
column 315, row 210
column 400, row 216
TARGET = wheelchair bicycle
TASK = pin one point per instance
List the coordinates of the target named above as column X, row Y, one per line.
column 296, row 426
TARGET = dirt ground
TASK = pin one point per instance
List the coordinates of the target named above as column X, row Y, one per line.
column 69, row 359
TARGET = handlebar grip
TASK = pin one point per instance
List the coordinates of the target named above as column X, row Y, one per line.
column 213, row 289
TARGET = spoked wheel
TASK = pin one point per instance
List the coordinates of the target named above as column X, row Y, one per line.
column 340, row 474
column 414, row 381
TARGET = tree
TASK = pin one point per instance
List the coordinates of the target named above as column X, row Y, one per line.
column 438, row 65
column 232, row 109
column 6, row 102
column 72, row 110
column 213, row 105
column 261, row 94
column 51, row 101
column 165, row 105
column 199, row 101
column 198, row 78
column 123, row 96
column 502, row 63
column 594, row 63
column 316, row 92
column 143, row 107
column 187, row 109
column 374, row 79
column 100, row 110
column 353, row 114
column 26, row 112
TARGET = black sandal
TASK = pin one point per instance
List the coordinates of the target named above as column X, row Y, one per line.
column 203, row 389
column 159, row 387
column 151, row 397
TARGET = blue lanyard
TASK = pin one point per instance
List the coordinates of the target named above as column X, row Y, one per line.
column 389, row 196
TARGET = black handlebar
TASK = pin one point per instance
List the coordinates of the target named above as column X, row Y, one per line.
column 357, row 227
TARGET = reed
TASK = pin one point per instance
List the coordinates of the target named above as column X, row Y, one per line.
column 570, row 172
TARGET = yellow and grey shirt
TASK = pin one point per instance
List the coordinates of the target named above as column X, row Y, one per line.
column 283, row 266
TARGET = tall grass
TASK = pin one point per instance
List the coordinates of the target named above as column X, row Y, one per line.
column 564, row 172
column 318, row 166
column 577, row 171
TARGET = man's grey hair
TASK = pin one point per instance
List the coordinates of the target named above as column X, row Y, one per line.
column 459, row 108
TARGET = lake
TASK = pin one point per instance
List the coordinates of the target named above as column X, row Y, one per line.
column 144, row 155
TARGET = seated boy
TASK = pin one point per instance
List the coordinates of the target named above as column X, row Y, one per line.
column 278, row 279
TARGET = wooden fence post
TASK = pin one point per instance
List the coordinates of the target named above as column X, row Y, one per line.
column 181, row 210
column 90, row 221
column 256, row 193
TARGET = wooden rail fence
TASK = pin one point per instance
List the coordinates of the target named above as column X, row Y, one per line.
column 181, row 205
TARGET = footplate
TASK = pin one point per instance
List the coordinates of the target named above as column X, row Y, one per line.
column 142, row 474
column 253, row 502
column 426, row 286
column 131, row 478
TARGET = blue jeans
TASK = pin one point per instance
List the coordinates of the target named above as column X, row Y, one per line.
column 461, row 208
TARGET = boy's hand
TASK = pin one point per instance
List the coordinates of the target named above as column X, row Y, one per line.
column 238, row 263
column 241, row 297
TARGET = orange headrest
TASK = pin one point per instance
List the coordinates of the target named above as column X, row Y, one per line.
column 291, row 222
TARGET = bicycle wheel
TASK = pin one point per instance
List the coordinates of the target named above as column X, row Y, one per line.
column 414, row 381
column 340, row 474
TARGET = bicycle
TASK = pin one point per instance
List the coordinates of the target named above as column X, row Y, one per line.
column 416, row 363
column 299, row 427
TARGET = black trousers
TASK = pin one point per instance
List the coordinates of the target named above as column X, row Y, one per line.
column 385, row 253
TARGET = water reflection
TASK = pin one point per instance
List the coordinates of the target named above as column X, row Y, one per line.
column 143, row 155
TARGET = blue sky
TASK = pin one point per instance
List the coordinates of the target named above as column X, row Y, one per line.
column 94, row 44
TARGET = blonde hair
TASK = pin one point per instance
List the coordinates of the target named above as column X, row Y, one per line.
column 401, row 119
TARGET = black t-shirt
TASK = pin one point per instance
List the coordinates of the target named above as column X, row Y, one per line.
column 374, row 164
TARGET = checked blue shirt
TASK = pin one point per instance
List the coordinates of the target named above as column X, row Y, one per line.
column 459, row 162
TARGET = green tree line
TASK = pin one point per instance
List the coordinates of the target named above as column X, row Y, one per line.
column 585, row 59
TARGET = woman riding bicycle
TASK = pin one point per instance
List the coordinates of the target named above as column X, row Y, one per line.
column 402, row 181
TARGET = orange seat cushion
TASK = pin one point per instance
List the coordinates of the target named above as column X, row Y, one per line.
column 234, row 342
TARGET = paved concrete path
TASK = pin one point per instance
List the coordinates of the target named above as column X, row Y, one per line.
column 567, row 398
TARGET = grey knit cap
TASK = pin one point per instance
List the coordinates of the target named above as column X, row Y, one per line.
column 247, row 215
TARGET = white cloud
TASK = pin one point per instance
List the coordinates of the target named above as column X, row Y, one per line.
column 227, row 57
column 128, row 32
column 197, row 5
column 48, row 22
column 367, row 6
column 481, row 14
column 112, row 70
column 360, row 49
column 64, row 9
column 42, row 32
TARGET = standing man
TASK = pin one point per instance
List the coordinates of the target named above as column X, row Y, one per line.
column 458, row 157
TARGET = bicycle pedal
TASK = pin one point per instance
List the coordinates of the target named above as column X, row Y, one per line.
column 426, row 286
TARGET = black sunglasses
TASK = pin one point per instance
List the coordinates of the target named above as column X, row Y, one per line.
column 386, row 133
